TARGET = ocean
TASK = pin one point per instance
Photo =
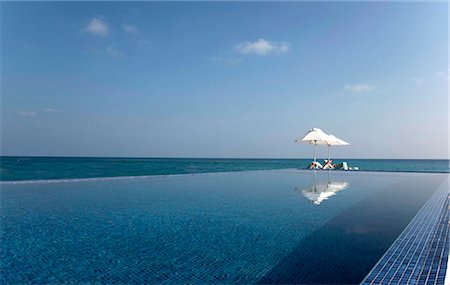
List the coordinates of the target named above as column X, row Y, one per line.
column 14, row 168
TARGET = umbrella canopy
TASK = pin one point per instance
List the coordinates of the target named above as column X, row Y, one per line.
column 332, row 140
column 314, row 136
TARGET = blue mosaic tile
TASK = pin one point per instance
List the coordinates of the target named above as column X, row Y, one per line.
column 420, row 253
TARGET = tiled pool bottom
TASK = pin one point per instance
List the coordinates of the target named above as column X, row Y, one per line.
column 241, row 228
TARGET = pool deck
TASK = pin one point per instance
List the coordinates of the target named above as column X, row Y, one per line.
column 420, row 255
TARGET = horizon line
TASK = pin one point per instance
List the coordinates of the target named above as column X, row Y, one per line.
column 237, row 158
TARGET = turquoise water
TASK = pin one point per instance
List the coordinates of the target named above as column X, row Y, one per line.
column 42, row 168
column 266, row 227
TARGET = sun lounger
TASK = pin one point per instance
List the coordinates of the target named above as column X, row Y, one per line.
column 315, row 165
column 341, row 166
column 344, row 166
column 328, row 164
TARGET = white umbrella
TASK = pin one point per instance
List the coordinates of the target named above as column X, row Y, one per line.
column 332, row 140
column 314, row 136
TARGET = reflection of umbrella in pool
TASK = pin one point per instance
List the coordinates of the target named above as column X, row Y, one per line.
column 314, row 136
column 320, row 191
column 334, row 141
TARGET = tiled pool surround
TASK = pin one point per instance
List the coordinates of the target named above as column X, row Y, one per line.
column 420, row 254
column 225, row 228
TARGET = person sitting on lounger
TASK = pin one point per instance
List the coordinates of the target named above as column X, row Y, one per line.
column 328, row 164
column 315, row 165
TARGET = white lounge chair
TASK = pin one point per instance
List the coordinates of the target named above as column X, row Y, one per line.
column 328, row 164
column 315, row 165
column 344, row 166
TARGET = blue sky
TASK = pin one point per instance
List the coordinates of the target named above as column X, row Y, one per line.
column 237, row 79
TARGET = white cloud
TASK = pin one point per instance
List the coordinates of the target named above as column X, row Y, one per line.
column 98, row 27
column 114, row 52
column 27, row 113
column 52, row 110
column 144, row 43
column 358, row 88
column 130, row 29
column 262, row 47
column 417, row 80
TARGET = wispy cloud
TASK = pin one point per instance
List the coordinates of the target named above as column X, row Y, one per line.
column 145, row 43
column 227, row 60
column 130, row 29
column 262, row 47
column 417, row 80
column 52, row 110
column 443, row 75
column 27, row 113
column 98, row 27
column 358, row 88
column 112, row 51
column 92, row 50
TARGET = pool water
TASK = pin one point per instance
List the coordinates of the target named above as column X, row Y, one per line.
column 281, row 226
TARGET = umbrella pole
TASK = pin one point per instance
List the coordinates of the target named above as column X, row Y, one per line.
column 314, row 152
column 328, row 152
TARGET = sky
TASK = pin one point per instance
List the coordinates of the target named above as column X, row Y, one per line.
column 227, row 79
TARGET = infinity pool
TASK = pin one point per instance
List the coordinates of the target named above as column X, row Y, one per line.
column 283, row 226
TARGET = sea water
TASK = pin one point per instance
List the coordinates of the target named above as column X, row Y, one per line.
column 44, row 168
